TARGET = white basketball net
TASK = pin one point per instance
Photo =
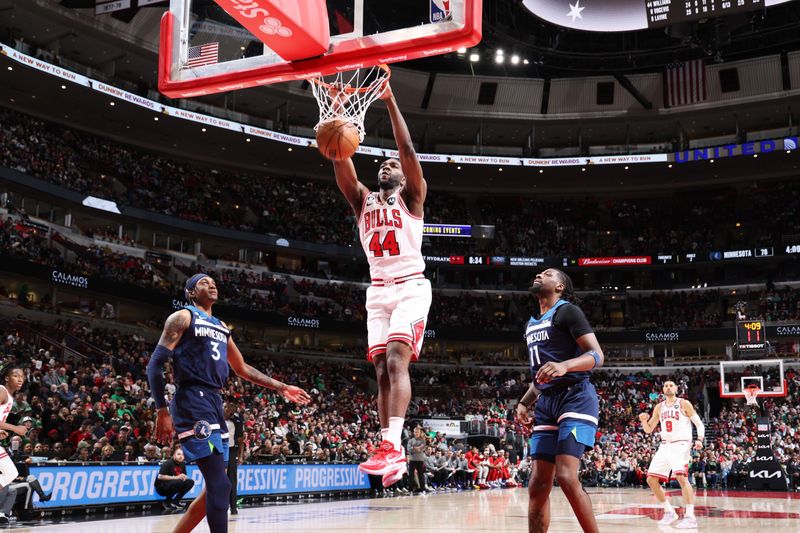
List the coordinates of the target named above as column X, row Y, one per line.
column 751, row 395
column 349, row 94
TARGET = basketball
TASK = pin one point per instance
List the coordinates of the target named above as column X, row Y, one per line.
column 337, row 139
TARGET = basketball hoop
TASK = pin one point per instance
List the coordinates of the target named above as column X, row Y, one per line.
column 349, row 94
column 751, row 394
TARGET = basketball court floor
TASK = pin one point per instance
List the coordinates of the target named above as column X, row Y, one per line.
column 618, row 511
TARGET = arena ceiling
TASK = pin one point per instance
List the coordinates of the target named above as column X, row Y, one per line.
column 127, row 50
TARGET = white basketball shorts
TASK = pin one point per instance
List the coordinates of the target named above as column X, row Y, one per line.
column 671, row 459
column 397, row 313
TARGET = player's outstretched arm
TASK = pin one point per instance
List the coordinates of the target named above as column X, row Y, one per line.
column 353, row 190
column 253, row 375
column 416, row 188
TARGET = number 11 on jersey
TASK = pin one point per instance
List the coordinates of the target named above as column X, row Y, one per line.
column 534, row 354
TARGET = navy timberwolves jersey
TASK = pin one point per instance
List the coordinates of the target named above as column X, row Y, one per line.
column 551, row 337
column 201, row 356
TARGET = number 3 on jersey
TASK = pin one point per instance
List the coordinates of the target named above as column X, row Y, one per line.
column 388, row 245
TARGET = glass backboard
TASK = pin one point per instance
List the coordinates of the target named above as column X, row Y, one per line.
column 205, row 50
column 766, row 374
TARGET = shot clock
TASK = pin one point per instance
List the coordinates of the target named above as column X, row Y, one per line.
column 751, row 335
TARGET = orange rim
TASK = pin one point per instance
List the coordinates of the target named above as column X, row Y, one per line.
column 349, row 90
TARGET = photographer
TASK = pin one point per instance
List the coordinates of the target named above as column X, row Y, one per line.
column 172, row 482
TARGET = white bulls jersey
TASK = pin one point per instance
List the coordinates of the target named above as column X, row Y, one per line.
column 5, row 408
column 675, row 425
column 391, row 237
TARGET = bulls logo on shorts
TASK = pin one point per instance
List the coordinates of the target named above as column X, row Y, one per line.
column 202, row 430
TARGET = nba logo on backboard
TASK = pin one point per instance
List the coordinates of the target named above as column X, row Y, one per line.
column 440, row 10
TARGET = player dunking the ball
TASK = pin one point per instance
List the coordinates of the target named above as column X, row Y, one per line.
column 563, row 350
column 390, row 228
column 676, row 416
column 201, row 348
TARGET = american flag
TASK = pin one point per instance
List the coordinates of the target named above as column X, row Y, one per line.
column 685, row 83
column 205, row 54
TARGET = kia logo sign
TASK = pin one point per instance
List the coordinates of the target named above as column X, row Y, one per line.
column 764, row 474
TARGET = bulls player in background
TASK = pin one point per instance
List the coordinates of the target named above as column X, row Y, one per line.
column 676, row 416
column 201, row 348
column 563, row 350
column 390, row 229
column 13, row 380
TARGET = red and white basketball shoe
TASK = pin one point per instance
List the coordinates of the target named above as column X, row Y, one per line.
column 384, row 460
column 395, row 475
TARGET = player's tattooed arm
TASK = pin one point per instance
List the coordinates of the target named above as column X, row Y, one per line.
column 174, row 327
column 250, row 373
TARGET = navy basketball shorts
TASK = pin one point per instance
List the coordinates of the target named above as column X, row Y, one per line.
column 199, row 422
column 565, row 421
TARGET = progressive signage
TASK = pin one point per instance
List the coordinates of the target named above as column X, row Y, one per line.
column 75, row 486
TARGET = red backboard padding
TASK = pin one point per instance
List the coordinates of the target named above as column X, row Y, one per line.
column 293, row 29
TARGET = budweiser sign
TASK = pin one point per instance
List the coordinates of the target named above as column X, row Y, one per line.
column 614, row 261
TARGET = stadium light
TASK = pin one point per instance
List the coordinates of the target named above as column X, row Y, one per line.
column 474, row 58
column 499, row 59
column 515, row 60
column 462, row 50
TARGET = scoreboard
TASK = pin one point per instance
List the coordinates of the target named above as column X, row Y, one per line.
column 632, row 15
column 664, row 12
column 751, row 335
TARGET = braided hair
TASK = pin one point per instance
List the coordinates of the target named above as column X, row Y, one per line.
column 569, row 290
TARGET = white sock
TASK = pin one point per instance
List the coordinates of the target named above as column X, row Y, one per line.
column 384, row 432
column 667, row 507
column 689, row 510
column 395, row 432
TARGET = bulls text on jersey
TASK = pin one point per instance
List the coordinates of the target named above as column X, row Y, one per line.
column 379, row 218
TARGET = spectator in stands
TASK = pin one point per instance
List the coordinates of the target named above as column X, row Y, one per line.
column 172, row 482
column 83, row 454
column 624, row 468
column 151, row 453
